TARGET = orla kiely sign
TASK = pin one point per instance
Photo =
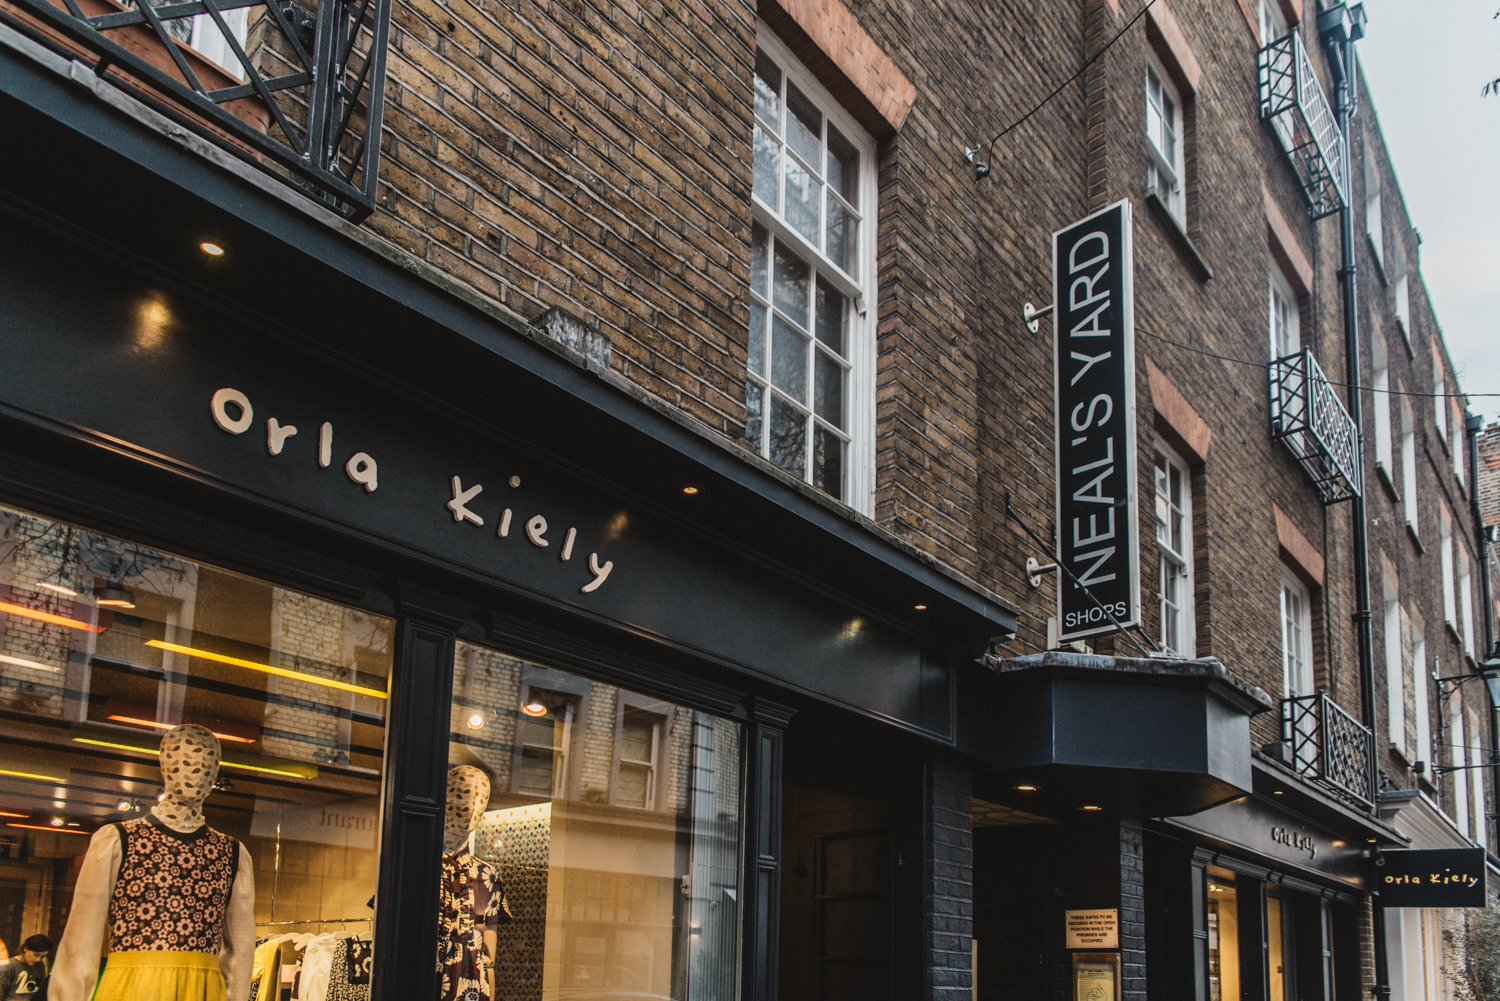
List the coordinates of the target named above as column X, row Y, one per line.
column 1098, row 584
column 1093, row 929
column 1436, row 877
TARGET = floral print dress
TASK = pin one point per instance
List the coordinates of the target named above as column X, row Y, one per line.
column 473, row 901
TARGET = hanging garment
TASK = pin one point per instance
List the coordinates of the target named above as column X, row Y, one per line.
column 472, row 901
column 265, row 973
column 316, row 962
column 349, row 974
column 166, row 914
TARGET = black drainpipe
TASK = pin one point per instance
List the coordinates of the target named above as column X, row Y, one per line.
column 1339, row 27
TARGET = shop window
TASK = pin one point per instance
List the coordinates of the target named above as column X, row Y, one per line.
column 1296, row 636
column 1223, row 937
column 554, row 884
column 1174, row 544
column 108, row 649
column 1281, row 953
column 1164, row 170
column 808, row 394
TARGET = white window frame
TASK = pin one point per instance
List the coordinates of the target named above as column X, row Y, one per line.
column 660, row 715
column 1272, row 22
column 1440, row 398
column 1380, row 385
column 1420, row 680
column 1160, row 167
column 1460, row 756
column 1282, row 305
column 1466, row 600
column 1296, row 636
column 1395, row 674
column 859, row 485
column 1445, row 557
column 1476, row 783
column 1409, row 467
column 211, row 44
column 1456, row 442
column 1180, row 563
column 1403, row 304
column 1374, row 227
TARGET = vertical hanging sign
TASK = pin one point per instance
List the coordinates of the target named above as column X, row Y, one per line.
column 1094, row 380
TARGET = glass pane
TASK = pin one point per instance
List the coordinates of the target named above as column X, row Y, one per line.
column 802, row 195
column 757, row 356
column 566, row 890
column 760, row 245
column 285, row 691
column 767, row 90
column 1223, row 942
column 788, row 436
column 804, row 126
column 793, row 280
column 828, row 402
column 842, row 230
column 828, row 462
column 766, row 152
column 843, row 166
column 830, row 317
column 788, row 360
column 1177, row 518
column 754, row 396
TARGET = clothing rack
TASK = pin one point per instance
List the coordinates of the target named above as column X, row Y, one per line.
column 312, row 921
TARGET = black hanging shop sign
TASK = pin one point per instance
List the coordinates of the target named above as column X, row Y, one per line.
column 1437, row 877
column 1094, row 373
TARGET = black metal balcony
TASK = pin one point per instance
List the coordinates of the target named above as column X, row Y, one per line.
column 1293, row 102
column 297, row 93
column 1329, row 746
column 1310, row 418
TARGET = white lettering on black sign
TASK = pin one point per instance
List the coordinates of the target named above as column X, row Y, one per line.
column 1099, row 585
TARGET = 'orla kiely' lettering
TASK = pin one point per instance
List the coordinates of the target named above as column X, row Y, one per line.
column 232, row 412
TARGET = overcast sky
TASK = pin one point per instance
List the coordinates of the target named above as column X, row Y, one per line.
column 1425, row 61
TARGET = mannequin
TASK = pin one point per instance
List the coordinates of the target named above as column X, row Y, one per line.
column 167, row 899
column 473, row 899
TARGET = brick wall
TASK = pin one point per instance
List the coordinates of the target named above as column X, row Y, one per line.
column 948, row 837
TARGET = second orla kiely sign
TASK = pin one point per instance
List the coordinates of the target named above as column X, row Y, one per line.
column 1098, row 585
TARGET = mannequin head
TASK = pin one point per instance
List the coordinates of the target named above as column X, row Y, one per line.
column 468, row 795
column 189, row 766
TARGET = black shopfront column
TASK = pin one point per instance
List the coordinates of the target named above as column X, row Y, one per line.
column 764, row 736
column 406, row 921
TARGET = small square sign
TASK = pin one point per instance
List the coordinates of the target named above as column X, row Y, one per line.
column 1093, row 929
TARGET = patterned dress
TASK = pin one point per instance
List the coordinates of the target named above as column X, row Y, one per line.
column 173, row 889
column 473, row 901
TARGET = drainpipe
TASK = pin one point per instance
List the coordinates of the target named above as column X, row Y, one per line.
column 1339, row 27
column 1473, row 424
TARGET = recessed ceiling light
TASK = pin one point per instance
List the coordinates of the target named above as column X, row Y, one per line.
column 690, row 489
column 1025, row 788
column 534, row 709
column 211, row 249
column 920, row 608
column 476, row 721
column 1091, row 809
column 1277, row 792
column 56, row 821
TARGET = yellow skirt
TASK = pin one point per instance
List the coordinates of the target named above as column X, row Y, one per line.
column 161, row 976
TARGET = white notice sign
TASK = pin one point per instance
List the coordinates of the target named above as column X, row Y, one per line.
column 1093, row 929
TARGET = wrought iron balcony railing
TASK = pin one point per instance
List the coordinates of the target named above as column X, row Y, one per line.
column 1309, row 417
column 1292, row 100
column 297, row 92
column 1330, row 746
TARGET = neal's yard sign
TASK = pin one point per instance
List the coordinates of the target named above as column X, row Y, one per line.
column 1094, row 371
column 1435, row 877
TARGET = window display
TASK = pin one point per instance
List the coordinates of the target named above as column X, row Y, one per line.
column 190, row 785
column 592, row 840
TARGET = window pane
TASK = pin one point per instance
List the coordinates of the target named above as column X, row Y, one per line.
column 793, row 282
column 754, row 397
column 842, row 230
column 757, row 356
column 804, row 126
column 559, row 888
column 767, row 90
column 788, row 436
column 289, row 689
column 766, row 152
column 830, row 317
column 843, row 166
column 788, row 360
column 760, row 242
column 802, row 195
column 1177, row 518
column 828, row 462
column 829, row 397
